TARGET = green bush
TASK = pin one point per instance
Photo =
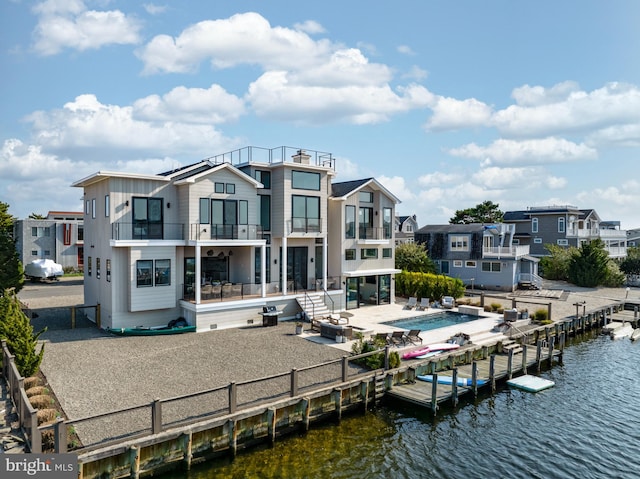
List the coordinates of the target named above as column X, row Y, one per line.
column 541, row 315
column 428, row 285
column 373, row 361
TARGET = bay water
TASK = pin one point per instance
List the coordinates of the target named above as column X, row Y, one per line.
column 586, row 426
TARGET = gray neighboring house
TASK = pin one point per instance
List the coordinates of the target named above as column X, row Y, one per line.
column 406, row 227
column 483, row 256
column 58, row 237
column 566, row 225
column 633, row 237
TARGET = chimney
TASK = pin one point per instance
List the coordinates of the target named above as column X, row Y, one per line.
column 301, row 157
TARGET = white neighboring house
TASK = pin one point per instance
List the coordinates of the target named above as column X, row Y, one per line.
column 216, row 241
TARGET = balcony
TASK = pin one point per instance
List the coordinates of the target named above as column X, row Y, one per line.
column 145, row 230
column 304, row 225
column 592, row 233
column 513, row 252
column 201, row 232
column 370, row 234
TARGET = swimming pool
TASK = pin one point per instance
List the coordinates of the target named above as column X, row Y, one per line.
column 428, row 322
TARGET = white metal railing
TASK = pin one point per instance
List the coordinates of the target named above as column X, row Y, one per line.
column 532, row 278
column 505, row 251
column 596, row 233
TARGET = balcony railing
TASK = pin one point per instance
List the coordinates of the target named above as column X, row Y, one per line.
column 371, row 233
column 596, row 233
column 505, row 252
column 305, row 225
column 224, row 232
column 144, row 230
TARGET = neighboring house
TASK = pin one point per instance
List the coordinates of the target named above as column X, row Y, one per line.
column 633, row 237
column 215, row 241
column 482, row 256
column 362, row 241
column 58, row 237
column 537, row 227
column 405, row 227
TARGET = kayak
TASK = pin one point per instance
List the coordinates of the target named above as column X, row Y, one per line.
column 428, row 349
column 449, row 380
column 142, row 331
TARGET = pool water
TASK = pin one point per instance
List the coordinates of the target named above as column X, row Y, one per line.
column 429, row 322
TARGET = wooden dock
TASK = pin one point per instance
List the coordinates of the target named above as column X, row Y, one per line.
column 496, row 368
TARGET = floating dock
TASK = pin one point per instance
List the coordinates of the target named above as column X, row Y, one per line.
column 529, row 383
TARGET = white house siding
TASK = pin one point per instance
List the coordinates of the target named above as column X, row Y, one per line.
column 152, row 297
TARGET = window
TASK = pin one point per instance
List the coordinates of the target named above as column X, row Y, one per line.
column 263, row 177
column 144, row 273
column 350, row 221
column 365, row 223
column 93, row 208
column 205, row 214
column 108, row 266
column 89, row 266
column 87, row 207
column 368, row 253
column 34, row 252
column 218, row 187
column 106, row 205
column 40, row 231
column 265, row 212
column 537, row 240
column 459, row 243
column 534, row 225
column 470, row 264
column 224, row 219
column 386, row 222
column 47, row 253
column 305, row 180
column 305, row 214
column 163, row 272
column 34, row 231
column 365, row 197
column 97, row 268
column 515, row 241
column 563, row 242
column 147, row 218
column 491, row 266
column 387, row 252
column 66, row 234
column 457, row 263
column 230, row 188
column 561, row 225
column 80, row 233
column 350, row 254
column 243, row 212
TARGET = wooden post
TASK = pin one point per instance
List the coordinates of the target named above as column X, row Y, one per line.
column 134, row 460
column 539, row 353
column 386, row 357
column 271, row 428
column 156, row 416
column 294, row 382
column 60, row 436
column 233, row 438
column 337, row 399
column 434, row 394
column 454, row 387
column 188, row 451
column 552, row 341
column 98, row 320
column 233, row 397
column 549, row 311
column 524, row 359
column 73, row 317
column 492, row 372
column 510, row 364
column 345, row 369
column 474, row 377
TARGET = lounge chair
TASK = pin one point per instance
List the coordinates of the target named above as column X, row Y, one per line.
column 397, row 338
column 413, row 301
column 448, row 302
column 424, row 304
column 383, row 337
column 413, row 336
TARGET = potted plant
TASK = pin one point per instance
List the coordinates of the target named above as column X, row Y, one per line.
column 298, row 327
column 524, row 314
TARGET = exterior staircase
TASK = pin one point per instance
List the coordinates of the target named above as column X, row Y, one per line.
column 312, row 304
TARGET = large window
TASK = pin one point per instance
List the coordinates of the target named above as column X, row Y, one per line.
column 305, row 180
column 106, row 205
column 163, row 272
column 350, row 221
column 365, row 222
column 224, row 218
column 305, row 214
column 205, row 212
column 147, row 218
column 386, row 222
column 459, row 243
column 491, row 266
column 365, row 197
column 144, row 273
column 263, row 177
column 265, row 212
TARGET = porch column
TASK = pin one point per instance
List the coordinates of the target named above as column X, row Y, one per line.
column 263, row 268
column 283, row 265
column 198, row 277
column 325, row 262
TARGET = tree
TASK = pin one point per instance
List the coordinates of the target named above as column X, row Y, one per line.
column 486, row 212
column 16, row 330
column 631, row 264
column 36, row 216
column 590, row 267
column 414, row 257
column 556, row 266
column 11, row 272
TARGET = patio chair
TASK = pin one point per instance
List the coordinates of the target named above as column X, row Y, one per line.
column 413, row 301
column 424, row 304
column 413, row 336
column 448, row 302
column 206, row 291
column 397, row 338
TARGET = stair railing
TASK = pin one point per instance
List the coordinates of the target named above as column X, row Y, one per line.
column 324, row 298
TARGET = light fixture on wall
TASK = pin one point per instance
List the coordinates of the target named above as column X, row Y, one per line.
column 126, row 203
column 275, row 261
column 312, row 260
column 230, row 253
column 210, row 252
column 168, row 205
column 220, row 255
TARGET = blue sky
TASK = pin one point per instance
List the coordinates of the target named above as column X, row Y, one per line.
column 446, row 103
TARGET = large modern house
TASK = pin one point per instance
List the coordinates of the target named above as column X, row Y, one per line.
column 483, row 256
column 216, row 241
column 538, row 226
column 58, row 237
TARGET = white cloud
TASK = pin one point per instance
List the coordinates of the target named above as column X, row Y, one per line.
column 190, row 105
column 405, row 50
column 416, row 73
column 450, row 113
column 69, row 24
column 537, row 151
column 396, row 186
column 438, row 178
column 310, row 27
column 153, row 9
column 537, row 95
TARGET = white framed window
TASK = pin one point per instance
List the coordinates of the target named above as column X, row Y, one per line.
column 93, row 208
column 534, row 225
column 106, row 205
column 537, row 240
column 459, row 243
column 563, row 242
column 470, row 264
column 515, row 241
column 561, row 225
column 457, row 263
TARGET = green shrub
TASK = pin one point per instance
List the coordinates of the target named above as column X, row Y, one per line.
column 495, row 306
column 541, row 315
column 428, row 285
column 373, row 361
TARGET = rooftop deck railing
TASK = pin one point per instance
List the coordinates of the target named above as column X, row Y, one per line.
column 280, row 154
